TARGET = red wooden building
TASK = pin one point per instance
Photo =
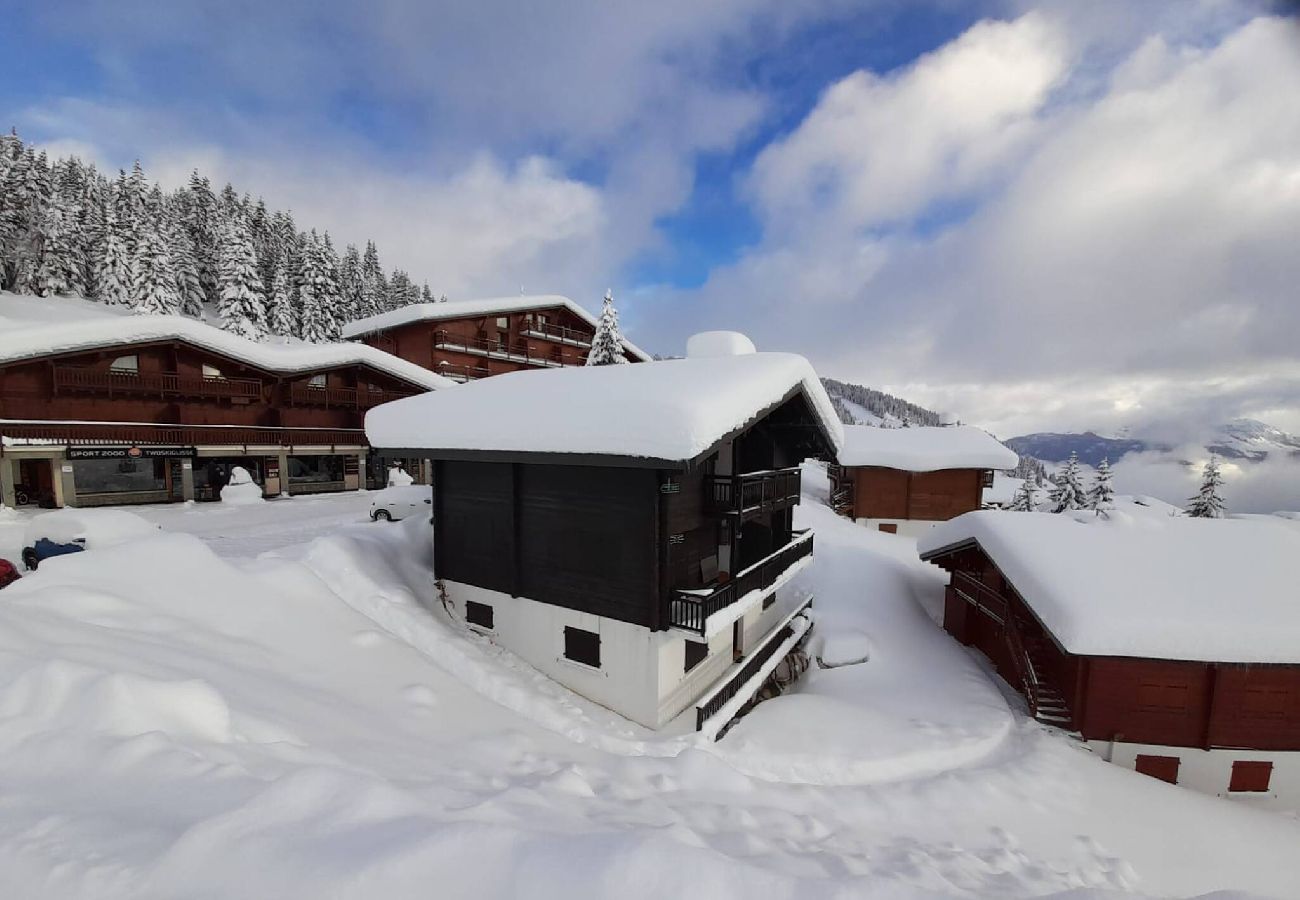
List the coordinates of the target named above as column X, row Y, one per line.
column 1171, row 646
column 903, row 480
column 470, row 339
column 107, row 408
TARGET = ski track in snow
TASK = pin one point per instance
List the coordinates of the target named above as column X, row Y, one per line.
column 204, row 718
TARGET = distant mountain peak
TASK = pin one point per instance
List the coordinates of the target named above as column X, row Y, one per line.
column 1240, row 439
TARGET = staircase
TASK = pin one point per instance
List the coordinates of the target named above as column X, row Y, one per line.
column 1046, row 702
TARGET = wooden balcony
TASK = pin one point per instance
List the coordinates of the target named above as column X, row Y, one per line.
column 754, row 493
column 691, row 609
column 513, row 351
column 462, row 373
column 161, row 384
column 547, row 332
column 340, row 397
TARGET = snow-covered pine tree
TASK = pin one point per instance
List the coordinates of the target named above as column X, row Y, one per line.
column 188, row 284
column 153, row 281
column 60, row 268
column 607, row 343
column 27, row 193
column 351, row 301
column 1068, row 493
column 1101, row 496
column 374, row 286
column 426, row 295
column 1208, row 503
column 113, row 266
column 400, row 290
column 282, row 317
column 330, row 295
column 200, row 220
column 242, row 301
column 1026, row 496
column 318, row 292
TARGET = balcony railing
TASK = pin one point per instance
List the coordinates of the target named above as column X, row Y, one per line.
column 340, row 397
column 547, row 332
column 462, row 373
column 514, row 351
column 755, row 492
column 160, row 383
column 74, row 433
column 691, row 609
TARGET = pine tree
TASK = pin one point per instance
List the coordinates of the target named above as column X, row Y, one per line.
column 59, row 270
column 607, row 344
column 426, row 295
column 1208, row 504
column 1101, row 497
column 318, row 289
column 153, row 281
column 400, row 290
column 351, row 299
column 242, row 303
column 1025, row 499
column 374, row 286
column 1068, row 493
column 282, row 317
column 113, row 266
column 200, row 220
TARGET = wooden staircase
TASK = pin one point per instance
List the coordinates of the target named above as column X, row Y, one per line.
column 1046, row 702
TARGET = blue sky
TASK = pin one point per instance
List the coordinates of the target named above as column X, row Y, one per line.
column 938, row 198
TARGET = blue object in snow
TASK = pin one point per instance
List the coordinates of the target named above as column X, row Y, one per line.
column 45, row 548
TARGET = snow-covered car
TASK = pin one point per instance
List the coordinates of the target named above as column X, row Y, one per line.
column 70, row 530
column 394, row 503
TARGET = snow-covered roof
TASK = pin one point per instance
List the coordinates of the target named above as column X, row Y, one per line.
column 38, row 326
column 459, row 309
column 1209, row 590
column 667, row 410
column 924, row 449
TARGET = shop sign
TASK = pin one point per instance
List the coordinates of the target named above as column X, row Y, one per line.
column 131, row 453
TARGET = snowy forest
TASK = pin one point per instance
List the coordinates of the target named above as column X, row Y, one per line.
column 68, row 229
column 877, row 403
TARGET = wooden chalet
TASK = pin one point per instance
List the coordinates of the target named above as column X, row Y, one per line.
column 627, row 530
column 1171, row 646
column 470, row 339
column 903, row 480
column 119, row 409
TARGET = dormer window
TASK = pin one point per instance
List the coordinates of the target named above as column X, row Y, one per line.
column 126, row 365
column 212, row 372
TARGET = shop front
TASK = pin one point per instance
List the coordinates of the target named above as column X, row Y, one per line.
column 109, row 476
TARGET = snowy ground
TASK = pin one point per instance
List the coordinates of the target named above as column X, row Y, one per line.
column 256, row 703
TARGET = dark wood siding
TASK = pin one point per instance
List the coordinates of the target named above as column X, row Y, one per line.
column 928, row 496
column 474, row 524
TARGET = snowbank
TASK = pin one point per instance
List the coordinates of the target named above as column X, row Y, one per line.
column 30, row 335
column 97, row 528
column 456, row 309
column 718, row 343
column 241, row 489
column 671, row 409
column 924, row 449
column 1146, row 585
column 398, row 477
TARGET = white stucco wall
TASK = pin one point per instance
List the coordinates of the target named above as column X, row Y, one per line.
column 906, row 527
column 1210, row 771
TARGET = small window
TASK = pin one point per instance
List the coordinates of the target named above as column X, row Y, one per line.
column 582, row 646
column 211, row 372
column 503, row 322
column 541, row 319
column 479, row 614
column 769, row 600
column 1250, row 775
column 696, row 653
column 317, row 381
column 126, row 364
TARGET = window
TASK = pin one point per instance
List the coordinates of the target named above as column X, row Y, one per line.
column 1250, row 775
column 541, row 319
column 1163, row 767
column 316, row 381
column 696, row 653
column 479, row 614
column 503, row 322
column 211, row 372
column 769, row 600
column 582, row 646
column 125, row 364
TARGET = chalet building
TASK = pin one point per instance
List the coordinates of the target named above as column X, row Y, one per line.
column 904, row 480
column 627, row 530
column 469, row 339
column 112, row 409
column 1170, row 645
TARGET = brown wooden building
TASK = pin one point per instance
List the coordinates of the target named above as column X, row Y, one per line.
column 133, row 409
column 627, row 530
column 469, row 339
column 903, row 480
column 1192, row 676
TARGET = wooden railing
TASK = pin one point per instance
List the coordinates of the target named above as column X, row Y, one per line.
column 755, row 492
column 182, row 435
column 691, row 609
column 980, row 595
column 340, row 397
column 161, row 383
column 464, row 373
column 557, row 333
column 515, row 351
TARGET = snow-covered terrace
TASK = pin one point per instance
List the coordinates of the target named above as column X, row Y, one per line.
column 1207, row 590
column 667, row 410
column 924, row 449
column 492, row 306
column 42, row 326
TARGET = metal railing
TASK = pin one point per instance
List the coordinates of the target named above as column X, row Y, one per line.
column 162, row 383
column 462, row 373
column 719, row 699
column 691, row 609
column 347, row 398
column 755, row 492
column 560, row 333
column 514, row 351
